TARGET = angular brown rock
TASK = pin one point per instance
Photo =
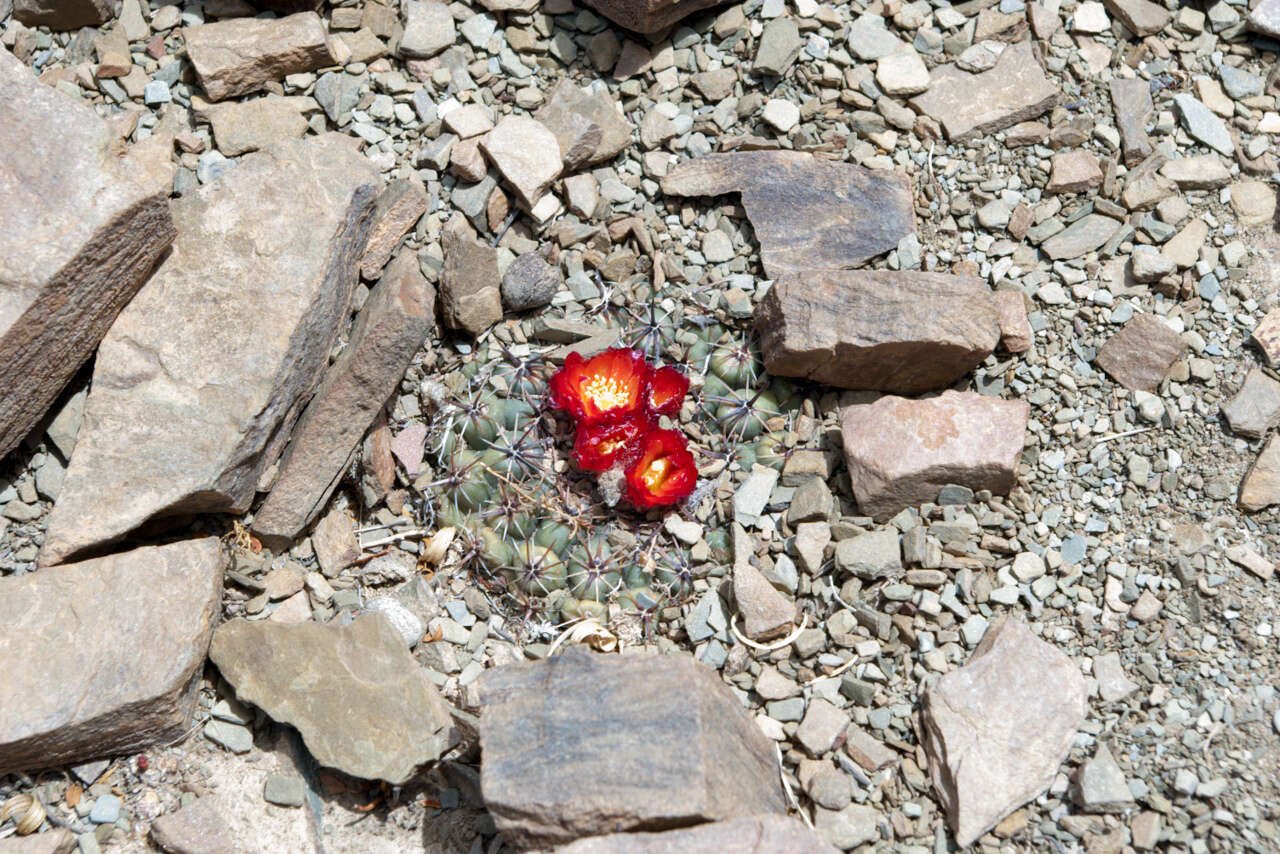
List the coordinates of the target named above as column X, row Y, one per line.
column 81, row 228
column 760, row 834
column 1266, row 336
column 141, row 623
column 1074, row 172
column 64, row 14
column 1140, row 355
column 240, row 55
column 972, row 105
column 648, row 16
column 399, row 207
column 808, row 213
column 59, row 841
column 903, row 332
column 1261, row 485
column 470, row 284
column 201, row 377
column 900, row 452
column 1131, row 101
column 354, row 693
column 627, row 756
column 1141, row 17
column 197, row 828
column 387, row 333
column 588, row 126
column 997, row 729
column 243, row 126
column 766, row 613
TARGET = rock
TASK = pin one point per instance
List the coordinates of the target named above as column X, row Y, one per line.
column 390, row 328
column 1202, row 172
column 997, row 729
column 399, row 207
column 760, row 834
column 69, row 702
column 904, row 332
column 856, row 824
column 284, row 790
column 1140, row 355
column 1255, row 409
column 973, row 105
column 64, row 14
column 1150, row 264
column 766, row 613
column 870, row 40
column 1141, row 17
column 1145, row 829
column 808, row 213
column 1247, row 558
column 243, row 126
column 588, row 126
column 428, row 29
column 871, row 556
column 1081, row 237
column 823, row 723
column 1266, row 337
column 197, row 384
column 902, row 74
column 866, row 750
column 1184, row 247
column 240, row 55
column 197, row 828
column 1112, row 683
column 634, row 760
column 1254, row 202
column 80, row 230
column 1100, row 785
column 648, row 16
column 354, row 693
column 782, row 115
column 1131, row 100
column 407, row 624
column 526, row 153
column 58, row 841
column 1261, row 485
column 1202, row 124
column 470, row 295
column 779, row 46
column 334, row 542
column 530, row 282
column 1016, row 334
column 900, row 452
column 1264, row 18
column 1074, row 172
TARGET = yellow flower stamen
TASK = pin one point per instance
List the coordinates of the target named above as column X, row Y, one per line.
column 606, row 393
column 655, row 472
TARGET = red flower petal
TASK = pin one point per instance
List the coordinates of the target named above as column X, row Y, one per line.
column 607, row 386
column 667, row 388
column 598, row 447
column 664, row 473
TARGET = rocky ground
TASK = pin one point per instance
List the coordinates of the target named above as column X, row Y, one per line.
column 281, row 294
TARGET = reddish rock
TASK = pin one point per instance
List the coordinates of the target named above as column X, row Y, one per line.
column 874, row 329
column 1261, row 485
column 808, row 213
column 1140, row 355
column 240, row 55
column 972, row 105
column 1073, row 172
column 766, row 613
column 758, row 834
column 900, row 452
column 1016, row 334
column 648, row 16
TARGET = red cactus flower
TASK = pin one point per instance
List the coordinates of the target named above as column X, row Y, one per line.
column 609, row 385
column 664, row 473
column 667, row 388
column 598, row 447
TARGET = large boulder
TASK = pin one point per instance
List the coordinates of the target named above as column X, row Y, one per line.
column 101, row 656
column 81, row 228
column 241, row 55
column 585, row 744
column 199, row 381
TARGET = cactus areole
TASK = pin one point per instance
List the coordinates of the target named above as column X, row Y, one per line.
column 615, row 399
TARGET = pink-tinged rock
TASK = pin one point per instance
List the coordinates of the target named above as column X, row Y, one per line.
column 972, row 105
column 1073, row 172
column 100, row 655
column 635, row 742
column 240, row 55
column 809, row 213
column 398, row 210
column 1016, row 334
column 200, row 379
column 408, row 447
column 334, row 541
column 390, row 328
column 900, row 452
column 59, row 841
column 759, row 834
column 82, row 224
column 997, row 729
column 1261, row 485
column 904, row 332
column 1140, row 355
column 766, row 613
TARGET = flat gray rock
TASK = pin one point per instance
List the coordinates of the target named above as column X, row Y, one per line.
column 64, row 702
column 972, row 105
column 240, row 55
column 1100, row 785
column 997, row 729
column 81, row 227
column 638, row 741
column 1081, row 237
column 905, row 332
column 1203, row 124
column 1264, row 18
column 900, row 452
column 197, row 384
column 761, row 834
column 390, row 328
column 1255, row 409
column 354, row 693
column 808, row 213
column 1131, row 101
